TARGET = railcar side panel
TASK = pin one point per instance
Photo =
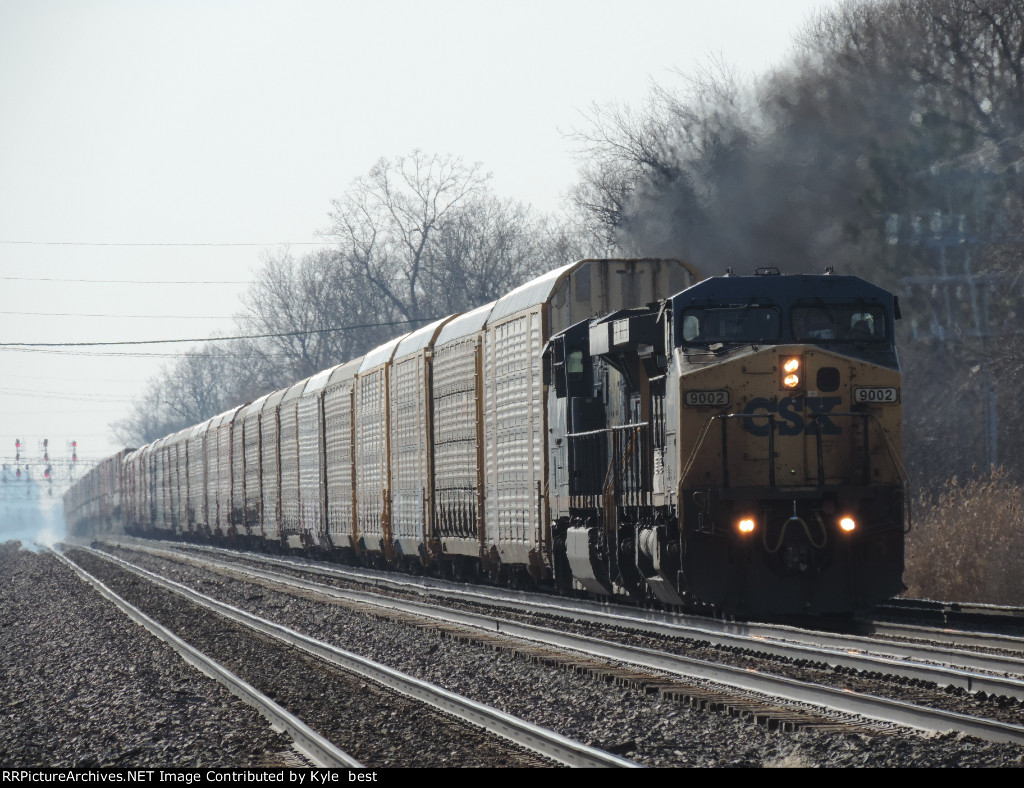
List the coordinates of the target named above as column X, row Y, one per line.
column 513, row 436
column 236, row 517
column 312, row 481
column 458, row 434
column 270, row 466
column 411, row 445
column 373, row 435
column 339, row 447
column 252, row 515
column 289, row 449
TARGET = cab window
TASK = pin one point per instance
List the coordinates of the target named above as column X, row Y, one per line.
column 746, row 323
column 837, row 323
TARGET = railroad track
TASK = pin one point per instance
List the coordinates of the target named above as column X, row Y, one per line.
column 737, row 688
column 314, row 747
column 496, row 724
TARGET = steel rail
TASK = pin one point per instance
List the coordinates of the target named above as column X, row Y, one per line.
column 533, row 737
column 967, row 670
column 321, row 752
column 949, row 635
column 845, row 701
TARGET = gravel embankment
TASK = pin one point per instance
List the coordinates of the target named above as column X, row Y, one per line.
column 83, row 686
column 378, row 727
column 644, row 728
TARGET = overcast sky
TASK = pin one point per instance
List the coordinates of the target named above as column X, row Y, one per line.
column 132, row 133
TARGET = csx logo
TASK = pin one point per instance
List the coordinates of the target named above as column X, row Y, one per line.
column 795, row 415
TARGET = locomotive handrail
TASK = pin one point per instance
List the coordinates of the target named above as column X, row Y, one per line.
column 603, row 430
column 900, row 469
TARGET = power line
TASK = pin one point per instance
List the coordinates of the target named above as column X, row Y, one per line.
column 90, row 314
column 126, row 281
column 274, row 335
column 173, row 244
column 108, row 398
column 127, row 354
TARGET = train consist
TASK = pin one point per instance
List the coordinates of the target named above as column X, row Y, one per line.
column 734, row 445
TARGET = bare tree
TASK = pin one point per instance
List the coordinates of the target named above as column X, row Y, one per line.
column 418, row 237
column 385, row 226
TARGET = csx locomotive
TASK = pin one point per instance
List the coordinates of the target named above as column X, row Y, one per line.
column 735, row 446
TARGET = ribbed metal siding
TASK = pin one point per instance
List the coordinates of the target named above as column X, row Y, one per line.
column 253, row 487
column 289, row 467
column 269, row 472
column 513, row 434
column 212, row 449
column 456, row 438
column 310, row 462
column 236, row 518
column 372, row 456
column 409, row 481
column 160, row 490
column 168, row 457
column 197, row 481
column 151, row 488
column 339, row 434
column 181, row 480
column 224, row 480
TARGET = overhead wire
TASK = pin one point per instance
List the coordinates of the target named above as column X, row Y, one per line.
column 127, row 281
column 270, row 335
column 158, row 243
column 94, row 314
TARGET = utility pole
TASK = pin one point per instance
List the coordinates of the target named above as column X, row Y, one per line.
column 949, row 323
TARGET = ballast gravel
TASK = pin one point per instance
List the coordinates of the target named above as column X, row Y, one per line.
column 647, row 729
column 83, row 686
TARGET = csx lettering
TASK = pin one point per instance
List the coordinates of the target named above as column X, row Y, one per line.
column 796, row 415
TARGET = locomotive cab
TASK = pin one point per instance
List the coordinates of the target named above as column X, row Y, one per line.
column 736, row 445
column 791, row 490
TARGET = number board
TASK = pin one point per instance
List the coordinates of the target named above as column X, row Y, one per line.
column 876, row 395
column 706, row 399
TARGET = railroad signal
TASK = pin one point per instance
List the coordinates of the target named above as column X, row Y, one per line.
column 74, row 451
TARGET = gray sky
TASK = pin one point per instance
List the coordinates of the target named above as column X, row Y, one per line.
column 133, row 132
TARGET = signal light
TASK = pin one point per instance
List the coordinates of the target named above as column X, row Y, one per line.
column 746, row 525
column 848, row 524
column 46, row 473
column 791, row 372
column 18, row 473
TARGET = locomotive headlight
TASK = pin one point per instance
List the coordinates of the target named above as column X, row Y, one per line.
column 746, row 525
column 848, row 524
column 791, row 372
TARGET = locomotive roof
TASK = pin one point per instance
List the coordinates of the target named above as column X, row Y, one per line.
column 783, row 290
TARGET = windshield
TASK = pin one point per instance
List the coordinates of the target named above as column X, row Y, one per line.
column 853, row 323
column 745, row 323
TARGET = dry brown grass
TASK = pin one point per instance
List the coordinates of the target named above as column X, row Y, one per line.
column 968, row 542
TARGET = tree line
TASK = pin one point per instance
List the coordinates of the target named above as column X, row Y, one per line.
column 890, row 145
column 418, row 237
